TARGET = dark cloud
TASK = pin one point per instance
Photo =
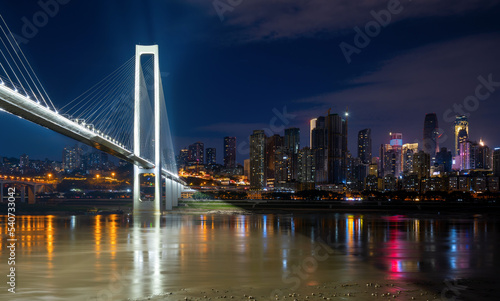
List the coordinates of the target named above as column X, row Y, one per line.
column 277, row 19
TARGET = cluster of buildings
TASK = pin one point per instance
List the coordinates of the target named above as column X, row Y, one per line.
column 278, row 163
column 197, row 158
column 75, row 159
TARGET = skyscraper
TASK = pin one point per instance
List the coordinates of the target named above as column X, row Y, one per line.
column 461, row 132
column 72, row 158
column 312, row 126
column 422, row 164
column 306, row 168
column 365, row 146
column 444, row 158
column 391, row 158
column 196, row 153
column 229, row 152
column 496, row 162
column 430, row 142
column 319, row 146
column 409, row 149
column 292, row 147
column 337, row 154
column 183, row 157
column 273, row 145
column 211, row 155
column 257, row 160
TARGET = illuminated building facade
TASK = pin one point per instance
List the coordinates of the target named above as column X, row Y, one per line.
column 292, row 147
column 409, row 149
column 273, row 144
column 211, row 155
column 422, row 164
column 461, row 132
column 229, row 152
column 496, row 162
column 312, row 126
column 392, row 156
column 258, row 160
column 336, row 129
column 319, row 146
column 365, row 146
column 307, row 172
column 196, row 153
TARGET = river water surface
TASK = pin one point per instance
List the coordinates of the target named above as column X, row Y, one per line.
column 117, row 257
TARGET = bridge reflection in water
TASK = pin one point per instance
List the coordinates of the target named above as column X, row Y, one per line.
column 119, row 257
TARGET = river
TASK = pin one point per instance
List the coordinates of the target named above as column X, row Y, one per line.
column 116, row 257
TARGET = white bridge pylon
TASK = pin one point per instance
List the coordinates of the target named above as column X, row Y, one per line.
column 172, row 187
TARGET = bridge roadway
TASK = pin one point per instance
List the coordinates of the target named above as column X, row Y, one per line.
column 20, row 105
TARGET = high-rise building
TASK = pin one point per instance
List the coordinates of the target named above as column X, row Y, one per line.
column 482, row 156
column 312, row 126
column 319, row 146
column 409, row 149
column 337, row 150
column 24, row 161
column 496, row 162
column 461, row 132
column 463, row 160
column 229, row 152
column 72, row 158
column 196, row 153
column 246, row 168
column 365, row 146
column 344, row 144
column 273, row 145
column 97, row 160
column 422, row 164
column 183, row 157
column 430, row 142
column 444, row 158
column 258, row 160
column 306, row 168
column 391, row 156
column 211, row 155
column 292, row 146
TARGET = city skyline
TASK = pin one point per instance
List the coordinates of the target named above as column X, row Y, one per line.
column 301, row 85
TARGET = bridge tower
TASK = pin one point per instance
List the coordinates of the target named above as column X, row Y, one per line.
column 140, row 205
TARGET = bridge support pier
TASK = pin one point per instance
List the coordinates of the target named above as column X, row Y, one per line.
column 31, row 194
column 140, row 205
column 168, row 194
column 1, row 192
column 179, row 192
column 176, row 194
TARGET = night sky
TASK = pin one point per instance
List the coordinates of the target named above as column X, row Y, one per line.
column 228, row 77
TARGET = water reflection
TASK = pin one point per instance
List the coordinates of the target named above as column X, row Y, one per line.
column 123, row 257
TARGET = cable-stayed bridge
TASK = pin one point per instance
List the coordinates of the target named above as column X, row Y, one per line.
column 124, row 115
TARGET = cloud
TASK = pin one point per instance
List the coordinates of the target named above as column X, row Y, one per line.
column 437, row 74
column 433, row 78
column 278, row 19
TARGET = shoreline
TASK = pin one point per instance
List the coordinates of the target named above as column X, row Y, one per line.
column 250, row 207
